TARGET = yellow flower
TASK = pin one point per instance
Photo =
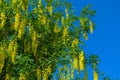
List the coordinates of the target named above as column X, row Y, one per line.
column 56, row 28
column 13, row 50
column 2, row 19
column 17, row 21
column 49, row 70
column 21, row 29
column 2, row 58
column 34, row 48
column 42, row 19
column 38, row 73
column 50, row 9
column 82, row 23
column 22, row 77
column 62, row 20
column 91, row 27
column 75, row 63
column 34, row 36
column 95, row 74
column 7, row 77
column 14, row 1
column 39, row 3
column 65, row 31
column 81, row 60
column 75, row 42
column 85, row 35
column 0, row 2
column 45, row 76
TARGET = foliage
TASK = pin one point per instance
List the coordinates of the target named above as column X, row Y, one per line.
column 38, row 34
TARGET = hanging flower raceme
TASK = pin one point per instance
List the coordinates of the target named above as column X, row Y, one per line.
column 46, row 72
column 0, row 2
column 75, row 43
column 17, row 20
column 39, row 3
column 22, row 77
column 7, row 76
column 50, row 9
column 23, row 4
column 2, row 59
column 21, row 28
column 85, row 35
column 65, row 32
column 14, row 1
column 42, row 19
column 34, row 41
column 91, row 26
column 13, row 50
column 38, row 73
column 82, row 22
column 95, row 73
column 3, row 18
column 75, row 63
column 81, row 60
column 56, row 28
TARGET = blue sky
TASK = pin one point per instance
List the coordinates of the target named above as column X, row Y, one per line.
column 105, row 41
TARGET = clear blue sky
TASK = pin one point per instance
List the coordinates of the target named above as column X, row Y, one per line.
column 106, row 38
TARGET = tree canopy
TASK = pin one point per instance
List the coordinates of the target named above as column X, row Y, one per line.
column 36, row 35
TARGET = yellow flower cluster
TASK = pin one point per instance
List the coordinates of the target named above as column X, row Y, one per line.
column 42, row 19
column 75, row 63
column 0, row 2
column 62, row 20
column 38, row 73
column 14, row 1
column 46, row 72
column 50, row 9
column 24, row 7
column 75, row 42
column 17, row 20
column 34, row 42
column 22, row 77
column 39, row 3
column 7, row 77
column 95, row 74
column 91, row 27
column 13, row 50
column 81, row 60
column 85, row 35
column 3, row 18
column 65, row 31
column 56, row 28
column 82, row 23
column 21, row 28
column 2, row 57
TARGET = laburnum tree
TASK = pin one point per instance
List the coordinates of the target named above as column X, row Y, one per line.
column 36, row 36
